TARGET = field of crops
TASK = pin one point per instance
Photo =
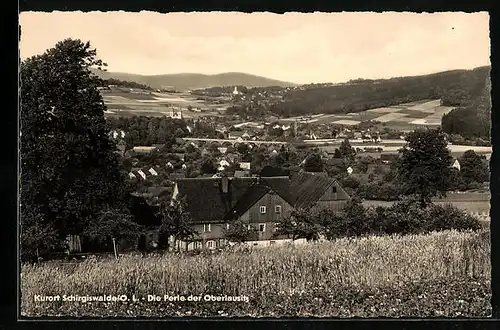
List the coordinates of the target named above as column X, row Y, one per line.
column 406, row 116
column 439, row 274
column 122, row 102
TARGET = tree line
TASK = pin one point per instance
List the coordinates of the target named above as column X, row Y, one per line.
column 124, row 83
column 361, row 95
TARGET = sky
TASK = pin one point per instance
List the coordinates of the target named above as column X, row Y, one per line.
column 294, row 47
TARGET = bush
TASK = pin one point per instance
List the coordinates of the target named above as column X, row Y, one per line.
column 383, row 191
column 449, row 217
column 407, row 216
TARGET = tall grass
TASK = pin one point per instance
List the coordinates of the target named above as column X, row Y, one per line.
column 270, row 276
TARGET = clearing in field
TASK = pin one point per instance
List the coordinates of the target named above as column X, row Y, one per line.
column 384, row 110
column 424, row 121
column 416, row 114
column 390, row 117
column 346, row 122
column 428, row 107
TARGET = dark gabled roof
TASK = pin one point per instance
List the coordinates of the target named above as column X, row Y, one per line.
column 249, row 198
column 260, row 187
column 206, row 202
column 309, row 187
column 272, row 171
column 282, row 186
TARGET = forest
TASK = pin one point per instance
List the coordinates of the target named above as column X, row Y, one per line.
column 128, row 84
column 453, row 87
column 471, row 95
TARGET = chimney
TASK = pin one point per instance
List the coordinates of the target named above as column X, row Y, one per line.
column 225, row 184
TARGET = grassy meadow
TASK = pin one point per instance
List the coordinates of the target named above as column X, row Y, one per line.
column 438, row 274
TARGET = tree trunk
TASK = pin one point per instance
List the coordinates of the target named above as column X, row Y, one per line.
column 114, row 247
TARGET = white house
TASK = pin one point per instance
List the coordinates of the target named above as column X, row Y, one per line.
column 349, row 170
column 142, row 174
column 224, row 163
column 456, row 164
column 153, row 172
column 245, row 165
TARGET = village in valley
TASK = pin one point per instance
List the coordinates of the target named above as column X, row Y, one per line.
column 216, row 160
column 246, row 196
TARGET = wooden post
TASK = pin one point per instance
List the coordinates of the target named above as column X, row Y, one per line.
column 114, row 248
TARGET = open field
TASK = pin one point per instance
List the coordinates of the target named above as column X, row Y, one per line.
column 406, row 116
column 122, row 102
column 438, row 274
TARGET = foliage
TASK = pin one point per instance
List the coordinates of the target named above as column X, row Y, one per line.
column 472, row 117
column 38, row 237
column 69, row 170
column 145, row 131
column 243, row 148
column 473, row 168
column 175, row 223
column 380, row 190
column 407, row 216
column 208, row 166
column 346, row 151
column 300, row 224
column 443, row 274
column 238, row 232
column 313, row 163
column 424, row 165
column 112, row 223
column 128, row 84
column 360, row 95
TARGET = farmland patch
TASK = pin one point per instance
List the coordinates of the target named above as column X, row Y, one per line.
column 383, row 110
column 390, row 117
column 346, row 122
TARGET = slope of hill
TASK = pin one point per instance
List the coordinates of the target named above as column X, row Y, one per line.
column 188, row 81
column 454, row 87
column 472, row 117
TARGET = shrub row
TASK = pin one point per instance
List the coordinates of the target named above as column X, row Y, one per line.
column 403, row 217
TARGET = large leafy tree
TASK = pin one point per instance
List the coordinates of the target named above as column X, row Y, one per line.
column 473, row 168
column 238, row 232
column 313, row 163
column 424, row 165
column 302, row 223
column 175, row 223
column 346, row 151
column 69, row 169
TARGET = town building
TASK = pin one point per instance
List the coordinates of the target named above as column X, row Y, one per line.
column 260, row 202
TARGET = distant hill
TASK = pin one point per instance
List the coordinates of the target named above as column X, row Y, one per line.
column 189, row 81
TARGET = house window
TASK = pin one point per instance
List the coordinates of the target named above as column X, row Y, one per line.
column 334, row 189
column 207, row 228
column 262, row 227
column 262, row 209
column 249, row 227
column 227, row 226
column 277, row 209
column 276, row 226
column 210, row 244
